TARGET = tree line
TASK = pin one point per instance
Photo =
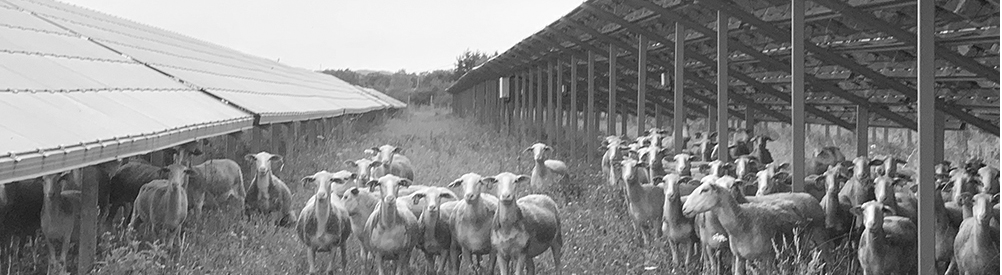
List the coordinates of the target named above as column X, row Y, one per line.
column 417, row 88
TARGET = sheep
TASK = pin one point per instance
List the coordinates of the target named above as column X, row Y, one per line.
column 436, row 236
column 20, row 210
column 945, row 233
column 359, row 203
column 712, row 235
column 683, row 164
column 394, row 162
column 268, row 193
column 904, row 203
column 705, row 145
column 759, row 150
column 125, row 185
column 366, row 170
column 837, row 217
column 750, row 227
column 391, row 230
column 163, row 204
column 99, row 175
column 679, row 228
column 546, row 172
column 859, row 187
column 976, row 248
column 739, row 147
column 889, row 167
column 221, row 178
column 323, row 224
column 60, row 217
column 470, row 222
column 888, row 243
column 745, row 167
column 825, row 157
column 613, row 147
column 645, row 202
column 525, row 228
column 989, row 178
column 961, row 183
column 652, row 156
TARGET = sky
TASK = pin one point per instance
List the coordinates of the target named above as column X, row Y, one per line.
column 386, row 35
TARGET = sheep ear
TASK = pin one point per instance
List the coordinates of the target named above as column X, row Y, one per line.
column 190, row 172
column 914, row 189
column 350, row 163
column 995, row 198
column 455, row 183
column 685, row 179
column 375, row 163
column 900, row 161
column 783, row 166
column 812, row 178
column 250, row 157
column 372, row 185
column 528, row 149
column 416, row 198
column 352, row 176
column 521, row 179
column 704, row 168
column 307, row 180
column 375, row 150
column 398, row 150
column 353, row 190
column 876, row 162
column 488, row 180
column 889, row 210
column 404, row 182
column 164, row 172
column 856, row 210
column 547, row 148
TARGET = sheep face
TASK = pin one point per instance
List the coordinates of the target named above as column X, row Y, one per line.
column 386, row 153
column 389, row 185
column 539, row 151
column 671, row 182
column 506, row 183
column 746, row 166
column 472, row 184
column 989, row 178
column 861, row 167
column 890, row 166
column 355, row 200
column 365, row 170
column 719, row 168
column 325, row 181
column 262, row 161
column 652, row 155
column 178, row 174
column 760, row 141
column 982, row 208
column 873, row 214
column 433, row 197
column 628, row 169
column 704, row 198
column 883, row 189
column 52, row 184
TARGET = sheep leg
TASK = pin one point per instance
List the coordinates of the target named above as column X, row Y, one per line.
column 528, row 265
column 344, row 256
column 53, row 265
column 430, row 258
column 379, row 263
column 199, row 202
column 951, row 268
column 739, row 265
column 311, row 260
column 491, row 260
column 503, row 264
column 65, row 251
column 467, row 254
column 330, row 266
column 557, row 250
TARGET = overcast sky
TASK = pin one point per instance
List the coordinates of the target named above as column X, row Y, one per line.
column 359, row 34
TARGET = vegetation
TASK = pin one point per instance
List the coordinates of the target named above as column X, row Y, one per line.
column 415, row 88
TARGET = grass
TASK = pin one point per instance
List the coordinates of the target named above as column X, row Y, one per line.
column 599, row 238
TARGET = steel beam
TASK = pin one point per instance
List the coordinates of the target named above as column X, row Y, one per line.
column 925, row 52
column 722, row 91
column 559, row 113
column 574, row 132
column 551, row 129
column 862, row 131
column 641, row 84
column 679, row 91
column 591, row 116
column 797, row 92
column 539, row 122
column 611, row 110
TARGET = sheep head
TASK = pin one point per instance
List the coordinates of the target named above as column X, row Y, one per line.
column 671, row 182
column 472, row 184
column 539, row 151
column 873, row 213
column 178, row 174
column 386, row 153
column 388, row 186
column 982, row 208
column 705, row 197
column 433, row 197
column 365, row 169
column 506, row 183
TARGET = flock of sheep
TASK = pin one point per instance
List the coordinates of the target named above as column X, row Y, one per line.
column 744, row 207
column 703, row 207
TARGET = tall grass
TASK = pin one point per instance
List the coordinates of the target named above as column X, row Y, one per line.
column 599, row 238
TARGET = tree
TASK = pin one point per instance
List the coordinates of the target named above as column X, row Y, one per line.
column 469, row 60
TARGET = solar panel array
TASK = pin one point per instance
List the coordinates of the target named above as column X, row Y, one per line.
column 78, row 87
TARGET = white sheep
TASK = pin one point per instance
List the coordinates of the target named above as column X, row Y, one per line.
column 394, row 162
column 679, row 228
column 163, row 204
column 750, row 227
column 323, row 223
column 683, row 164
column 436, row 236
column 360, row 203
column 391, row 230
column 614, row 148
column 546, row 172
column 946, row 233
column 976, row 248
column 887, row 244
column 60, row 218
column 904, row 203
column 267, row 193
column 365, row 170
column 645, row 202
column 221, row 179
column 470, row 221
column 525, row 228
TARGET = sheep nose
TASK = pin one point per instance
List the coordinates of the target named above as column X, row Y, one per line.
column 432, row 208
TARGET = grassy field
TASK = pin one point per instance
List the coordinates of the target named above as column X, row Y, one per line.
column 599, row 238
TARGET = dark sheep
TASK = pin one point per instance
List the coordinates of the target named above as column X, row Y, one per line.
column 825, row 157
column 20, row 210
column 125, row 186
